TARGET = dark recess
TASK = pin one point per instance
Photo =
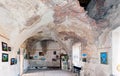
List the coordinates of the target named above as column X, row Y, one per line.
column 84, row 3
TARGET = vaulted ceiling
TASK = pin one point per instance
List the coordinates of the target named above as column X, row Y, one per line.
column 58, row 20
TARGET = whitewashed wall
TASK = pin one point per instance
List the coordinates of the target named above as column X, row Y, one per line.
column 115, row 51
column 5, row 68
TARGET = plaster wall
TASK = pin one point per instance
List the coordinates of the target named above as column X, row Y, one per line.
column 116, row 51
column 26, row 65
column 5, row 68
column 52, row 46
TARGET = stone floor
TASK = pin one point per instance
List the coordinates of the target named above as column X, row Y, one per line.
column 48, row 73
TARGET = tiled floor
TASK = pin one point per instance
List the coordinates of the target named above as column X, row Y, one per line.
column 48, row 73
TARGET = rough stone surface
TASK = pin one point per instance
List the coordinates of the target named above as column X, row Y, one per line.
column 64, row 21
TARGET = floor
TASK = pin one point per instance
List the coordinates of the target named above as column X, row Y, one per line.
column 48, row 73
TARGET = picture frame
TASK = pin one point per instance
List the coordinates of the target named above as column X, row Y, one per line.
column 84, row 59
column 84, row 55
column 54, row 52
column 41, row 54
column 4, row 46
column 4, row 57
column 42, row 58
column 53, row 59
column 9, row 48
column 57, row 57
column 103, row 58
column 13, row 61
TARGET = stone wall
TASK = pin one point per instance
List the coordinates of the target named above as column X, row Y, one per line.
column 49, row 58
column 93, row 66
